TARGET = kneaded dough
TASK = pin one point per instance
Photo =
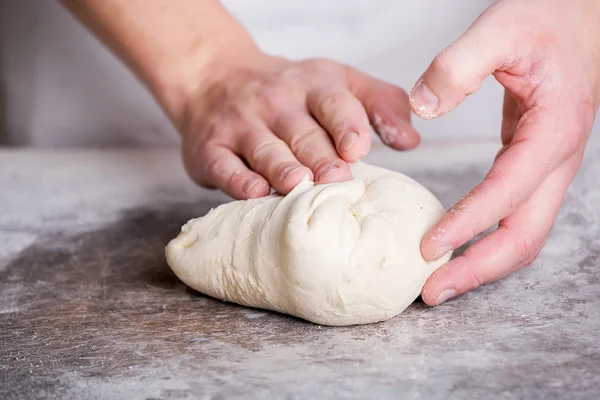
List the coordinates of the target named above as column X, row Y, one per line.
column 336, row 254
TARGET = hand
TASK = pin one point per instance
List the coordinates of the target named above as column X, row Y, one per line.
column 258, row 122
column 249, row 121
column 546, row 54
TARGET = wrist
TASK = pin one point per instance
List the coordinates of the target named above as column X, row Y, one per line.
column 175, row 82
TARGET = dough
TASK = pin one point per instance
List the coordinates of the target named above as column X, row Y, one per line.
column 336, row 254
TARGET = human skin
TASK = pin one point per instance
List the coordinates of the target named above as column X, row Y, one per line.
column 546, row 54
column 249, row 121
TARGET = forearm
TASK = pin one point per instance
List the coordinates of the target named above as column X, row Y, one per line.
column 168, row 44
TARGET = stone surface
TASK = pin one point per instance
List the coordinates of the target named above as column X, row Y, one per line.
column 89, row 309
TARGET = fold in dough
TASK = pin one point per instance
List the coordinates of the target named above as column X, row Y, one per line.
column 336, row 254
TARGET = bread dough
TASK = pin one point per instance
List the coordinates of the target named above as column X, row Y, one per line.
column 335, row 254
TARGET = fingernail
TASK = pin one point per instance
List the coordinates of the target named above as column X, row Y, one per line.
column 445, row 296
column 289, row 170
column 442, row 251
column 250, row 183
column 328, row 171
column 425, row 99
column 348, row 141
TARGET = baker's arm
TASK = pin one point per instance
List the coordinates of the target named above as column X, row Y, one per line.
column 168, row 44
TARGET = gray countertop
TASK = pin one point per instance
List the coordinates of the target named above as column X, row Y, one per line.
column 89, row 309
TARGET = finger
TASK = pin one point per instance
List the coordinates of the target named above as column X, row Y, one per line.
column 514, row 245
column 312, row 146
column 388, row 110
column 459, row 70
column 219, row 167
column 511, row 180
column 272, row 158
column 344, row 118
column 511, row 114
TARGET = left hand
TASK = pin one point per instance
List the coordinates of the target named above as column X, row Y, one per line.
column 546, row 54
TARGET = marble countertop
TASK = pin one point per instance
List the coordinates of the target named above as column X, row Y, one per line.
column 89, row 308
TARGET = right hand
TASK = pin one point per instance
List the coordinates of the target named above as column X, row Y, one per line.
column 546, row 55
column 257, row 122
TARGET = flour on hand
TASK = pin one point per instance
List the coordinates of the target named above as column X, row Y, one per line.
column 336, row 254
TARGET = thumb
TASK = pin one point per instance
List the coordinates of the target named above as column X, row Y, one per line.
column 459, row 70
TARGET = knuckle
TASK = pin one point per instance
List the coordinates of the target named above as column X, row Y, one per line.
column 263, row 150
column 282, row 170
column 302, row 137
column 273, row 98
column 291, row 77
column 527, row 248
column 195, row 162
column 571, row 138
column 586, row 108
column 245, row 138
column 474, row 276
column 462, row 211
column 474, row 279
column 216, row 170
column 442, row 65
column 235, row 179
column 514, row 199
column 204, row 177
column 331, row 102
column 439, row 64
column 574, row 165
column 318, row 63
column 326, row 162
column 511, row 196
column 203, row 134
column 232, row 115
